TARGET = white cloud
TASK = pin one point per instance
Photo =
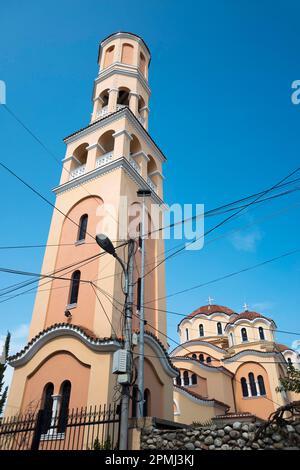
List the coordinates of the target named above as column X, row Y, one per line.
column 263, row 306
column 246, row 240
column 296, row 345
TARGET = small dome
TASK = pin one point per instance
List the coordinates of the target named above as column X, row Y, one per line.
column 209, row 310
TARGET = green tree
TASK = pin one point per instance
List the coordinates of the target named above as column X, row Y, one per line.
column 291, row 382
column 3, row 365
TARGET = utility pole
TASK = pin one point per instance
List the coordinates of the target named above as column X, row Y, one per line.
column 105, row 243
column 123, row 444
column 140, row 408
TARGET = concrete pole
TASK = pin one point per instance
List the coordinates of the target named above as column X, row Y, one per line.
column 123, row 444
column 140, row 410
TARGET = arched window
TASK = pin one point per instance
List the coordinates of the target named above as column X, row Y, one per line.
column 109, row 55
column 201, row 358
column 219, row 328
column 252, row 385
column 194, row 379
column 64, row 405
column 142, row 63
column 244, row 334
column 261, row 385
column 289, row 360
column 201, row 330
column 194, row 356
column 244, row 387
column 82, row 227
column 135, row 391
column 127, row 54
column 187, row 334
column 47, row 403
column 178, row 379
column 208, row 360
column 74, row 289
column 261, row 333
column 147, row 403
column 186, row 380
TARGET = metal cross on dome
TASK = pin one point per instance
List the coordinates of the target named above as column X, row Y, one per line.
column 246, row 307
column 210, row 300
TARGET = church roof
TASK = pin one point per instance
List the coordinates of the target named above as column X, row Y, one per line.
column 209, row 310
column 247, row 315
column 283, row 347
column 200, row 397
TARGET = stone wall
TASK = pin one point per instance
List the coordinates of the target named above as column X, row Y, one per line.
column 236, row 436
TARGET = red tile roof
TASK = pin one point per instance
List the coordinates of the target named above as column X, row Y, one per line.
column 210, row 309
column 282, row 347
column 248, row 316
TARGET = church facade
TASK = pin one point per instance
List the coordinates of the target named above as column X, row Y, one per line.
column 229, row 363
column 75, row 328
column 225, row 363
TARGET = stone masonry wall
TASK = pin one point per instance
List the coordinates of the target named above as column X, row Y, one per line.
column 236, row 436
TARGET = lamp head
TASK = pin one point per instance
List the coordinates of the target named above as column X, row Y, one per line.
column 105, row 243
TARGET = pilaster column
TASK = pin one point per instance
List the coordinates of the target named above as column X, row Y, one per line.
column 55, row 410
column 68, row 165
column 112, row 100
column 93, row 151
column 122, row 144
column 134, row 103
column 141, row 158
column 144, row 112
column 157, row 177
column 98, row 104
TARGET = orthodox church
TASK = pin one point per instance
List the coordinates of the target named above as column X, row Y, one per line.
column 226, row 362
column 229, row 363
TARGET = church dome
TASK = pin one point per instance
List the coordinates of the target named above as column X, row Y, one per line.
column 210, row 309
column 247, row 315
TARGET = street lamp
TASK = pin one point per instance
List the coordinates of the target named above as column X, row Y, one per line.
column 105, row 243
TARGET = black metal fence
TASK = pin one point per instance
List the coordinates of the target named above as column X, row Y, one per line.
column 89, row 428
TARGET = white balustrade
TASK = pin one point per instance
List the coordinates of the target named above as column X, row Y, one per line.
column 104, row 159
column 141, row 119
column 135, row 165
column 80, row 170
column 151, row 184
column 103, row 111
column 121, row 106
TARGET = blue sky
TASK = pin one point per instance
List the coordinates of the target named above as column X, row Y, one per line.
column 221, row 111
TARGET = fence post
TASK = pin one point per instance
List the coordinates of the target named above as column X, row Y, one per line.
column 37, row 431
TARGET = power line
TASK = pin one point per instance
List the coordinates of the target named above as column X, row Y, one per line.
column 225, row 220
column 28, row 273
column 39, row 141
column 35, row 191
column 103, row 309
column 227, row 276
column 191, row 352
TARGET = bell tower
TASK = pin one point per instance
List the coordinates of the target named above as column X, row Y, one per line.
column 123, row 77
column 78, row 314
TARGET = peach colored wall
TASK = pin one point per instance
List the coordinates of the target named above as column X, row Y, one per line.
column 209, row 323
column 219, row 384
column 127, row 53
column 190, row 411
column 56, row 369
column 109, row 56
column 99, row 381
column 260, row 406
column 154, row 384
column 84, row 313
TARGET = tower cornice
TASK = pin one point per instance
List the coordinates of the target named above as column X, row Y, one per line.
column 122, row 69
column 111, row 118
column 114, row 165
